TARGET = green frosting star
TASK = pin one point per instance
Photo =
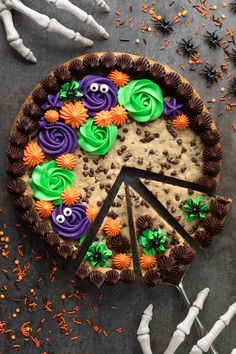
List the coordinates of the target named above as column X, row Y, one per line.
column 143, row 99
column 195, row 209
column 98, row 255
column 153, row 241
column 70, row 91
column 48, row 181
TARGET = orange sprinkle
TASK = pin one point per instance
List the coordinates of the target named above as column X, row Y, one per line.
column 103, row 119
column 181, row 122
column 91, row 213
column 67, row 161
column 44, row 208
column 121, row 261
column 119, row 115
column 70, row 195
column 120, row 79
column 33, row 154
column 112, row 227
column 148, row 262
column 74, row 114
column 51, row 116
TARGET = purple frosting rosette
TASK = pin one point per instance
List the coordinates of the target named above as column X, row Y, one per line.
column 56, row 139
column 99, row 93
column 172, row 108
column 53, row 102
column 71, row 221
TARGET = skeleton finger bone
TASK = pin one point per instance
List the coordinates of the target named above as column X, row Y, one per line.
column 233, row 351
column 143, row 330
column 205, row 343
column 184, row 327
column 50, row 25
column 103, row 5
column 66, row 5
column 13, row 36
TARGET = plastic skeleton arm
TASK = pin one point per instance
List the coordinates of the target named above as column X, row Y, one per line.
column 204, row 344
column 143, row 331
column 50, row 25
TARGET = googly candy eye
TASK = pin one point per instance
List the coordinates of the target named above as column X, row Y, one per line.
column 67, row 211
column 94, row 87
column 104, row 88
column 60, row 218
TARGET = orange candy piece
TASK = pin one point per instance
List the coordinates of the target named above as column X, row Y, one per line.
column 148, row 262
column 44, row 208
column 103, row 119
column 121, row 261
column 119, row 115
column 67, row 161
column 51, row 116
column 74, row 114
column 91, row 213
column 181, row 122
column 112, row 227
column 120, row 79
column 70, row 196
column 33, row 154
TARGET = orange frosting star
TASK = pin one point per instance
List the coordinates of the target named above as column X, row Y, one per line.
column 112, row 227
column 148, row 262
column 51, row 116
column 181, row 122
column 121, row 261
column 119, row 115
column 103, row 119
column 91, row 213
column 44, row 208
column 70, row 196
column 33, row 154
column 120, row 79
column 74, row 114
column 67, row 161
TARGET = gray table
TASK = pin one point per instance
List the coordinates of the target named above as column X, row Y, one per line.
column 214, row 268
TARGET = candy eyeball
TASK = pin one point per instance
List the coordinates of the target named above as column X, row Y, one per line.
column 60, row 218
column 104, row 88
column 94, row 87
column 67, row 211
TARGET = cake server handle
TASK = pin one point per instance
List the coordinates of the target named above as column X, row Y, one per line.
column 200, row 328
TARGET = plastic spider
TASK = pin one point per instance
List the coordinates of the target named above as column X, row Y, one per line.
column 232, row 87
column 210, row 73
column 213, row 39
column 232, row 56
column 233, row 6
column 164, row 26
column 188, row 47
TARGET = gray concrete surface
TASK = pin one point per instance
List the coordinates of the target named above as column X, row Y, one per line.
column 214, row 268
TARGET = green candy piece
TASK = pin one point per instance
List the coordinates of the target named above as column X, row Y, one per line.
column 97, row 140
column 98, row 255
column 143, row 100
column 195, row 209
column 70, row 91
column 153, row 242
column 48, row 181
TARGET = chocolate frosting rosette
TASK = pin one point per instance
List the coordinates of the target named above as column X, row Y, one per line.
column 71, row 222
column 99, row 93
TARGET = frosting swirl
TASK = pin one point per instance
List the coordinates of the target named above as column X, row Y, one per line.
column 99, row 93
column 56, row 139
column 75, row 222
column 97, row 140
column 143, row 99
column 48, row 181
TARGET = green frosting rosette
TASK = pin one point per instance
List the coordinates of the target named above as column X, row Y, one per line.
column 97, row 140
column 143, row 100
column 48, row 181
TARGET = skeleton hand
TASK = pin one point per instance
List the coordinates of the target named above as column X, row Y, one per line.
column 183, row 329
column 50, row 25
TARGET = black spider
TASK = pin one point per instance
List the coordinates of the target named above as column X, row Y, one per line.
column 233, row 6
column 232, row 87
column 210, row 74
column 164, row 26
column 232, row 56
column 212, row 39
column 188, row 47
